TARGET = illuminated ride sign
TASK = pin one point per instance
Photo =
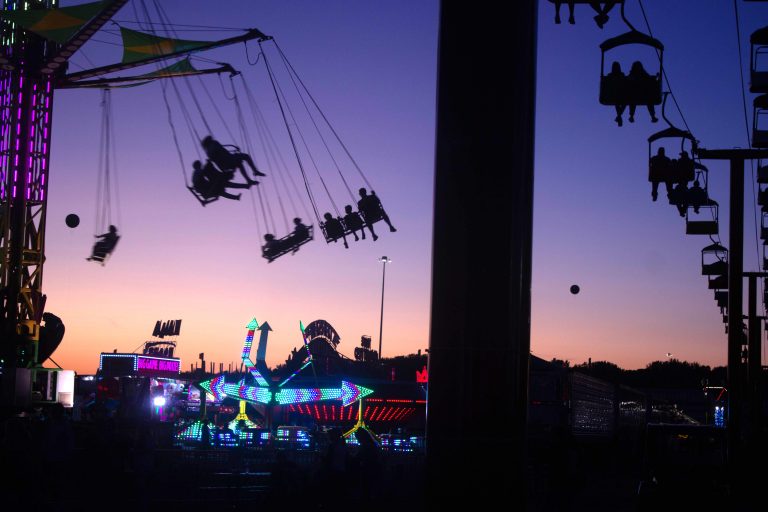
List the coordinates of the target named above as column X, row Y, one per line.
column 133, row 364
column 266, row 393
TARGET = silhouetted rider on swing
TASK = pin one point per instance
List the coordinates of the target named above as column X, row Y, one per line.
column 105, row 245
column 353, row 222
column 371, row 209
column 299, row 234
column 334, row 228
column 225, row 160
column 211, row 182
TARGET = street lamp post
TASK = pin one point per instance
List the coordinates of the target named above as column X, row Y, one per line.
column 384, row 260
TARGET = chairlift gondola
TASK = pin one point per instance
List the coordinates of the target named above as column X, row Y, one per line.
column 705, row 222
column 636, row 88
column 764, row 226
column 765, row 255
column 759, row 125
column 757, row 64
column 714, row 260
column 721, row 297
column 765, row 297
column 663, row 169
column 714, row 265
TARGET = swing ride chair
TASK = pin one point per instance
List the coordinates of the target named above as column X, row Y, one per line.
column 362, row 222
column 286, row 245
column 621, row 91
column 206, row 199
column 102, row 254
column 758, row 70
column 760, row 113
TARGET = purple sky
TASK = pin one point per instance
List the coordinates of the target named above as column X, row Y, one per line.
column 372, row 68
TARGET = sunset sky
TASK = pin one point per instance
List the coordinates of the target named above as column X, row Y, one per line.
column 372, row 68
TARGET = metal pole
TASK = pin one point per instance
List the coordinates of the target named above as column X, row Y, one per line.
column 384, row 260
column 754, row 370
column 735, row 303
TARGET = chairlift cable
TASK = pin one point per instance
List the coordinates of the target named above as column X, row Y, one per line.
column 306, row 148
column 290, row 135
column 665, row 77
column 330, row 126
column 317, row 129
column 624, row 17
column 272, row 150
column 664, row 74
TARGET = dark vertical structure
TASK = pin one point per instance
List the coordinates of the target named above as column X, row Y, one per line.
column 738, row 386
column 735, row 303
column 755, row 358
column 481, row 262
column 26, row 97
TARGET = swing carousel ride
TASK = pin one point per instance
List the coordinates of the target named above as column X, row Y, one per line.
column 299, row 174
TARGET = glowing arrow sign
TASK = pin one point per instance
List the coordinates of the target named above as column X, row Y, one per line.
column 347, row 393
column 252, row 326
column 221, row 389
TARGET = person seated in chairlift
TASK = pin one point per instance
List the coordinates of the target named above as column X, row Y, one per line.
column 600, row 19
column 353, row 222
column 659, row 170
column 211, row 182
column 685, row 168
column 571, row 18
column 679, row 197
column 334, row 229
column 225, row 160
column 615, row 84
column 105, row 245
column 697, row 196
column 371, row 209
column 640, row 83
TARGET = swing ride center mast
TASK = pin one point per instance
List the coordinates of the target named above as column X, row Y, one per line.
column 36, row 40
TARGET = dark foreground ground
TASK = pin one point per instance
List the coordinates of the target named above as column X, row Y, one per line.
column 104, row 466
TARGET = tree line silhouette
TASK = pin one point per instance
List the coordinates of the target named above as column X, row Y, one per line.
column 658, row 374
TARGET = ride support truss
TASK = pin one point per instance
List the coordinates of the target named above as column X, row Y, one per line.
column 26, row 100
